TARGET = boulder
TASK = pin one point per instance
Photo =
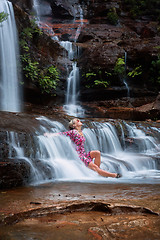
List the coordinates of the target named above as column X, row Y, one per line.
column 64, row 9
column 14, row 173
column 151, row 110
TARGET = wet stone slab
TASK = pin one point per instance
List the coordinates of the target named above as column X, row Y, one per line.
column 81, row 211
column 85, row 225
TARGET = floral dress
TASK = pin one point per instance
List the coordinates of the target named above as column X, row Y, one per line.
column 79, row 141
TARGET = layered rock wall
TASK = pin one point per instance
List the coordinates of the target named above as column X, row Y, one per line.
column 109, row 32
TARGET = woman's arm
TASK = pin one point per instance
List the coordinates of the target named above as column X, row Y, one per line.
column 68, row 133
column 51, row 134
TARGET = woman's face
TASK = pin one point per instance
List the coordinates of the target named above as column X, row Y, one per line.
column 77, row 122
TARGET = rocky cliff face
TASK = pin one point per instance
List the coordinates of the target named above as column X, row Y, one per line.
column 41, row 50
column 109, row 32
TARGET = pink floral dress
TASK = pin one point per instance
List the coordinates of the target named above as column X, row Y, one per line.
column 79, row 141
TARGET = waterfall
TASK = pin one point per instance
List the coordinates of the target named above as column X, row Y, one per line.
column 9, row 61
column 125, row 75
column 41, row 8
column 55, row 159
column 71, row 105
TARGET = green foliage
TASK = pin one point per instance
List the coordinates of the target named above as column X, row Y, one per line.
column 101, row 83
column 28, row 32
column 30, row 68
column 155, row 71
column 24, row 45
column 135, row 72
column 49, row 78
column 35, row 28
column 143, row 7
column 119, row 68
column 89, row 75
column 27, row 35
column 46, row 78
column 3, row 16
column 97, row 79
column 112, row 16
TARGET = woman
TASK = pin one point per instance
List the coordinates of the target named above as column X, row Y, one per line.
column 76, row 135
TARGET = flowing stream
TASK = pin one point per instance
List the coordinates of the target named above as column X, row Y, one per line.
column 10, row 96
column 136, row 157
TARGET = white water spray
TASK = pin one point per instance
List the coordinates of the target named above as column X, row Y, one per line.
column 55, row 158
column 10, row 97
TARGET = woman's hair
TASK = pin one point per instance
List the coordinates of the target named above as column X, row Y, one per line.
column 71, row 123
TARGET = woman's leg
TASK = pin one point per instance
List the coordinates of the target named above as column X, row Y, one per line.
column 100, row 171
column 97, row 155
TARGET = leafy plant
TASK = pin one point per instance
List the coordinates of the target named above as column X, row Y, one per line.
column 28, row 32
column 49, row 79
column 34, row 26
column 155, row 70
column 24, row 45
column 119, row 68
column 3, row 16
column 112, row 16
column 91, row 74
column 46, row 78
column 97, row 79
column 102, row 83
column 135, row 72
column 30, row 68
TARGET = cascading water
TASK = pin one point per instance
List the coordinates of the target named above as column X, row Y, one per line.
column 10, row 97
column 55, row 159
column 36, row 9
column 125, row 76
column 71, row 105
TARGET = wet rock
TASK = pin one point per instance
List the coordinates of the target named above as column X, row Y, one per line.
column 151, row 110
column 46, row 52
column 26, row 5
column 101, row 43
column 17, row 122
column 85, row 218
column 145, row 28
column 17, row 130
column 14, row 173
column 156, row 104
column 139, row 108
column 64, row 9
